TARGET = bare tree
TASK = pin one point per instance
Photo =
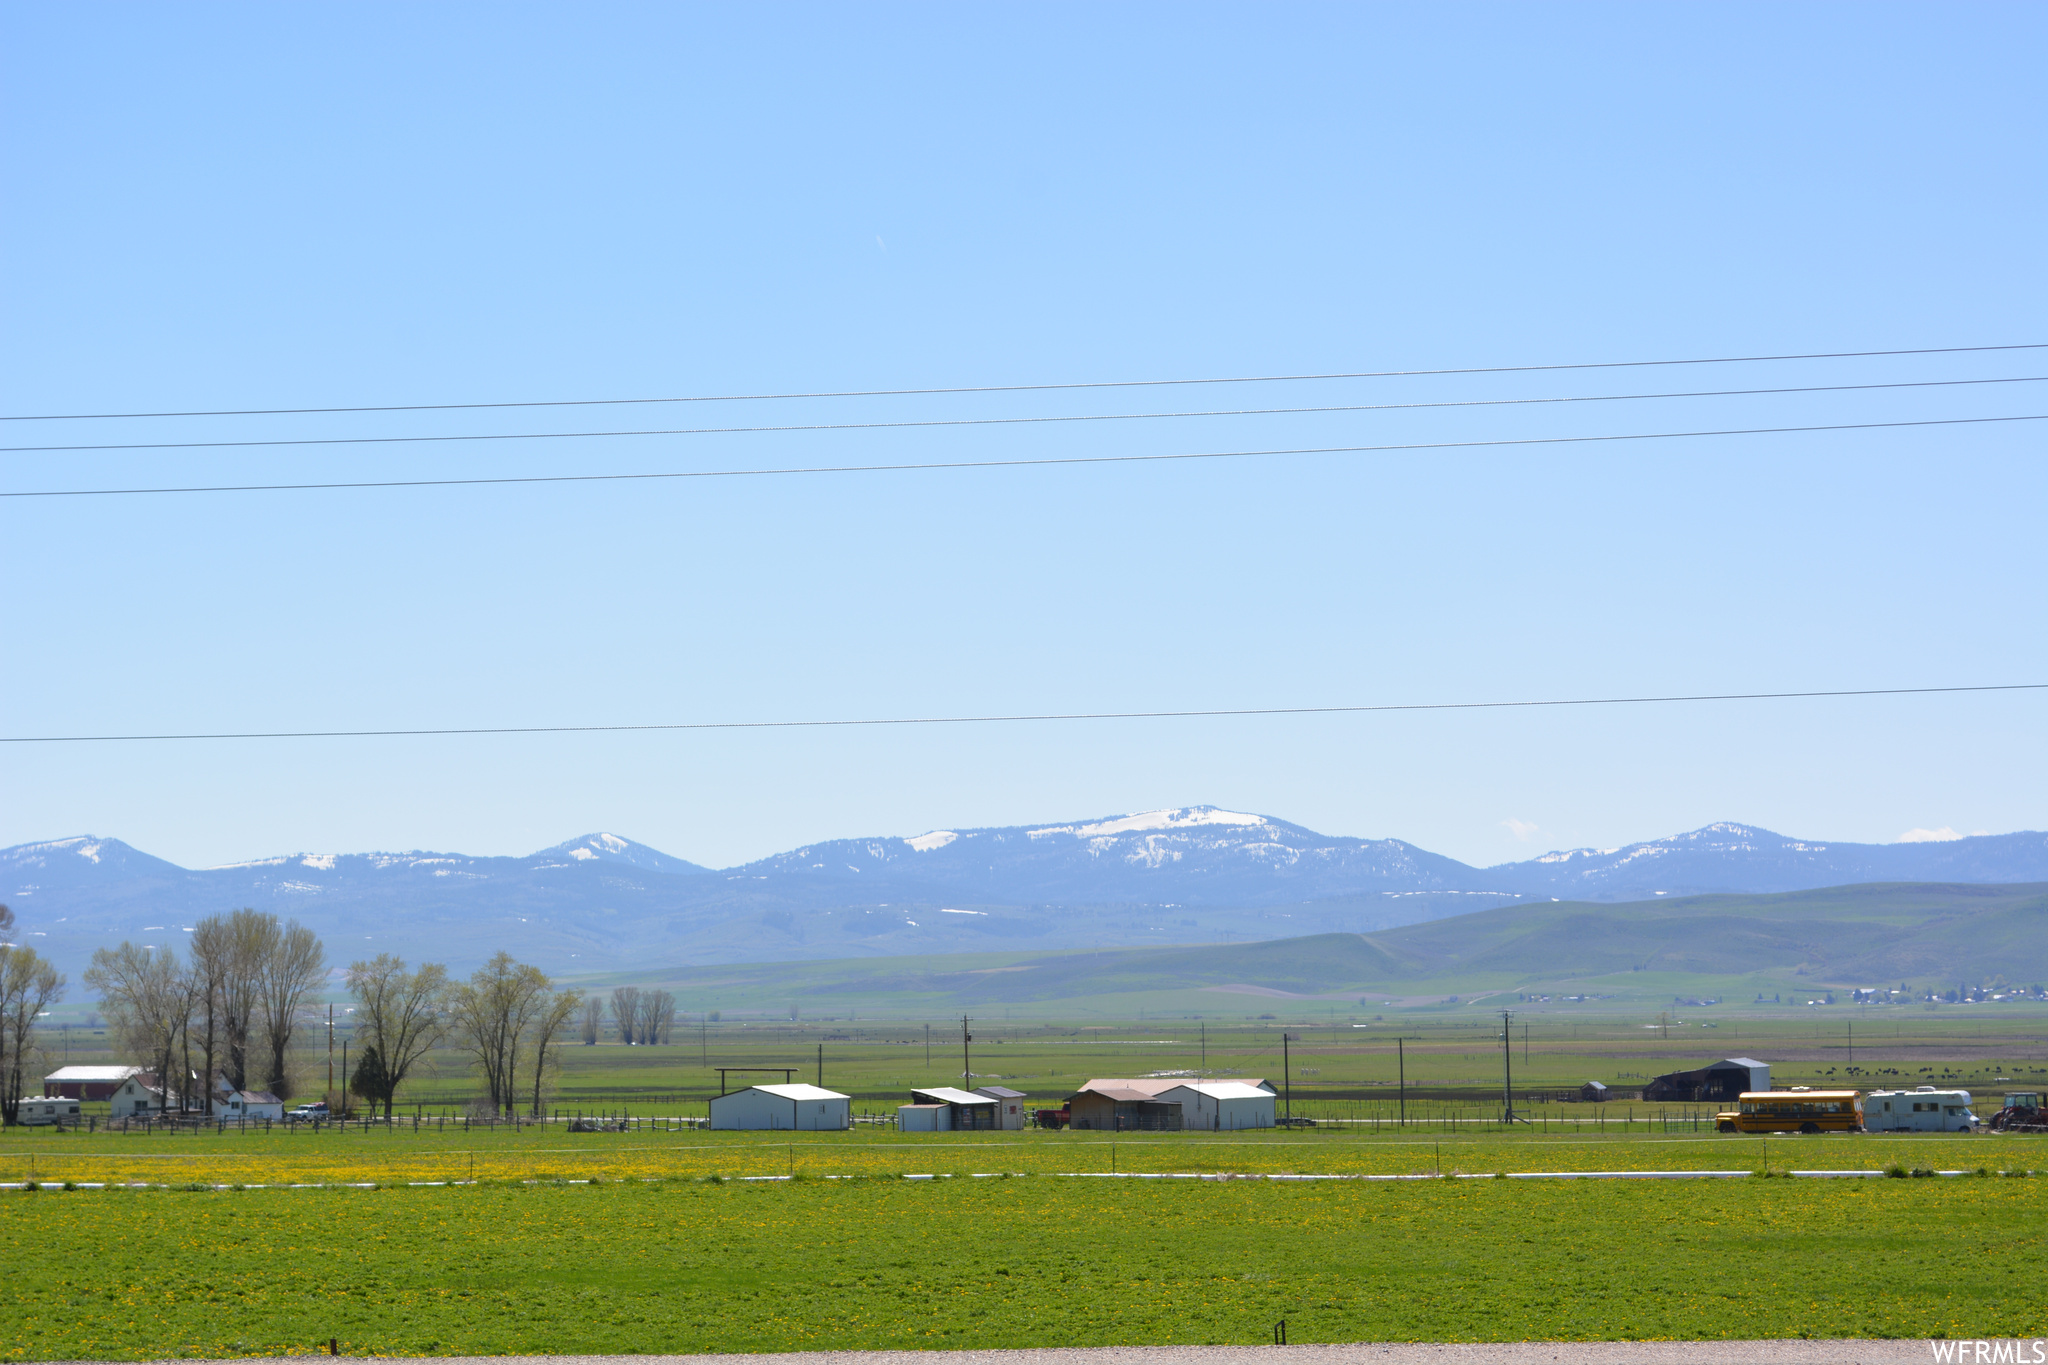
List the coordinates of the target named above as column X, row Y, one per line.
column 655, row 1009
column 593, row 1019
column 211, row 947
column 553, row 1018
column 246, row 942
column 626, row 1013
column 494, row 1010
column 402, row 1014
column 143, row 990
column 294, row 965
column 28, row 986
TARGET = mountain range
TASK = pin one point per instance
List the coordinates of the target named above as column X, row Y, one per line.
column 604, row 903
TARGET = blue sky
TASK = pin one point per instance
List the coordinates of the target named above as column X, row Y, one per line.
column 248, row 206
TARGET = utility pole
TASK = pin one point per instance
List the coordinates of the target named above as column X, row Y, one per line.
column 1205, row 1049
column 821, row 1066
column 1401, row 1061
column 1852, row 1042
column 704, row 1039
column 330, row 1052
column 927, row 1047
column 1507, row 1065
column 966, row 1060
column 1286, row 1076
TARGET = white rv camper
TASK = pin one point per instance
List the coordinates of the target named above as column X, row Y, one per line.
column 1924, row 1110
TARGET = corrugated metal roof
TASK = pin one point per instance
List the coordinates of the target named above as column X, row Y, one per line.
column 946, row 1094
column 1001, row 1092
column 796, row 1092
column 1119, row 1094
column 1224, row 1090
column 92, row 1073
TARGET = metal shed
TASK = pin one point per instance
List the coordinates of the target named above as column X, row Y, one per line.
column 783, row 1108
column 1221, row 1106
column 1011, row 1115
column 1719, row 1083
column 1595, row 1092
column 924, row 1118
column 1114, row 1109
column 87, row 1082
column 968, row 1111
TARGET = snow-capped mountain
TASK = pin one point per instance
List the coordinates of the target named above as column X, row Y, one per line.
column 1197, row 874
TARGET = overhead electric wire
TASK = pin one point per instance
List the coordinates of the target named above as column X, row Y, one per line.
column 1015, row 421
column 1023, row 388
column 1022, row 462
column 1027, row 717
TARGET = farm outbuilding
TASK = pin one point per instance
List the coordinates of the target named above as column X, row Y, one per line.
column 1011, row 1115
column 1221, row 1106
column 924, row 1118
column 87, row 1082
column 968, row 1111
column 1594, row 1092
column 1114, row 1109
column 783, row 1108
column 1720, row 1083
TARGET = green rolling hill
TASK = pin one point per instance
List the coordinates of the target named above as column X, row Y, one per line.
column 1928, row 935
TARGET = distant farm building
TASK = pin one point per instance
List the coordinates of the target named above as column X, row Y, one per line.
column 1221, row 1106
column 1011, row 1114
column 1119, row 1109
column 1722, row 1083
column 966, row 1110
column 87, row 1082
column 1594, row 1092
column 783, row 1108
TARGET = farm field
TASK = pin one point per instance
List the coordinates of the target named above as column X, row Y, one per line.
column 435, row 1152
column 1345, row 1066
column 690, row 1265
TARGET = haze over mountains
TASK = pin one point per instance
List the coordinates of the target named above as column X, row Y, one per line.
column 1194, row 875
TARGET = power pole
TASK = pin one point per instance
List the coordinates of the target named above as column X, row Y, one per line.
column 1286, row 1076
column 821, row 1066
column 966, row 1060
column 1507, row 1065
column 1205, row 1049
column 1401, row 1061
column 330, row 1053
column 927, row 1047
column 704, row 1039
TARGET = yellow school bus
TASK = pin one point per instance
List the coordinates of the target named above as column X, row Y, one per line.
column 1794, row 1111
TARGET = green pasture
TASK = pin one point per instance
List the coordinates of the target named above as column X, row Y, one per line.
column 690, row 1265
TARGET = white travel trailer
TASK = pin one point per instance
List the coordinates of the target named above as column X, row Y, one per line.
column 1923, row 1110
column 785, row 1108
column 38, row 1110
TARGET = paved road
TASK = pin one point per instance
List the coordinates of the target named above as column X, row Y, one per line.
column 1914, row 1352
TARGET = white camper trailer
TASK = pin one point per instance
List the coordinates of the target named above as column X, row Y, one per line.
column 1923, row 1110
column 40, row 1110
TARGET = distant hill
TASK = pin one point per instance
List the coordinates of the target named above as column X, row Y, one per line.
column 1194, row 875
column 1928, row 935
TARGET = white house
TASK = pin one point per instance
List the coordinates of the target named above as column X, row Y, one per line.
column 783, row 1108
column 41, row 1110
column 1010, row 1116
column 1220, row 1106
column 139, row 1094
column 248, row 1104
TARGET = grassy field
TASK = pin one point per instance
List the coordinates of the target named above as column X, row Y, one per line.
column 451, row 1152
column 1343, row 1065
column 694, row 1265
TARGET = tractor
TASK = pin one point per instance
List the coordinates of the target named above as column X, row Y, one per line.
column 2023, row 1113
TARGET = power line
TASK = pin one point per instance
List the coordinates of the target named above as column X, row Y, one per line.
column 1003, row 464
column 1007, row 421
column 1022, row 718
column 1022, row 388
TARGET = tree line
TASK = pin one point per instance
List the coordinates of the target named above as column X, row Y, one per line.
column 29, row 984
